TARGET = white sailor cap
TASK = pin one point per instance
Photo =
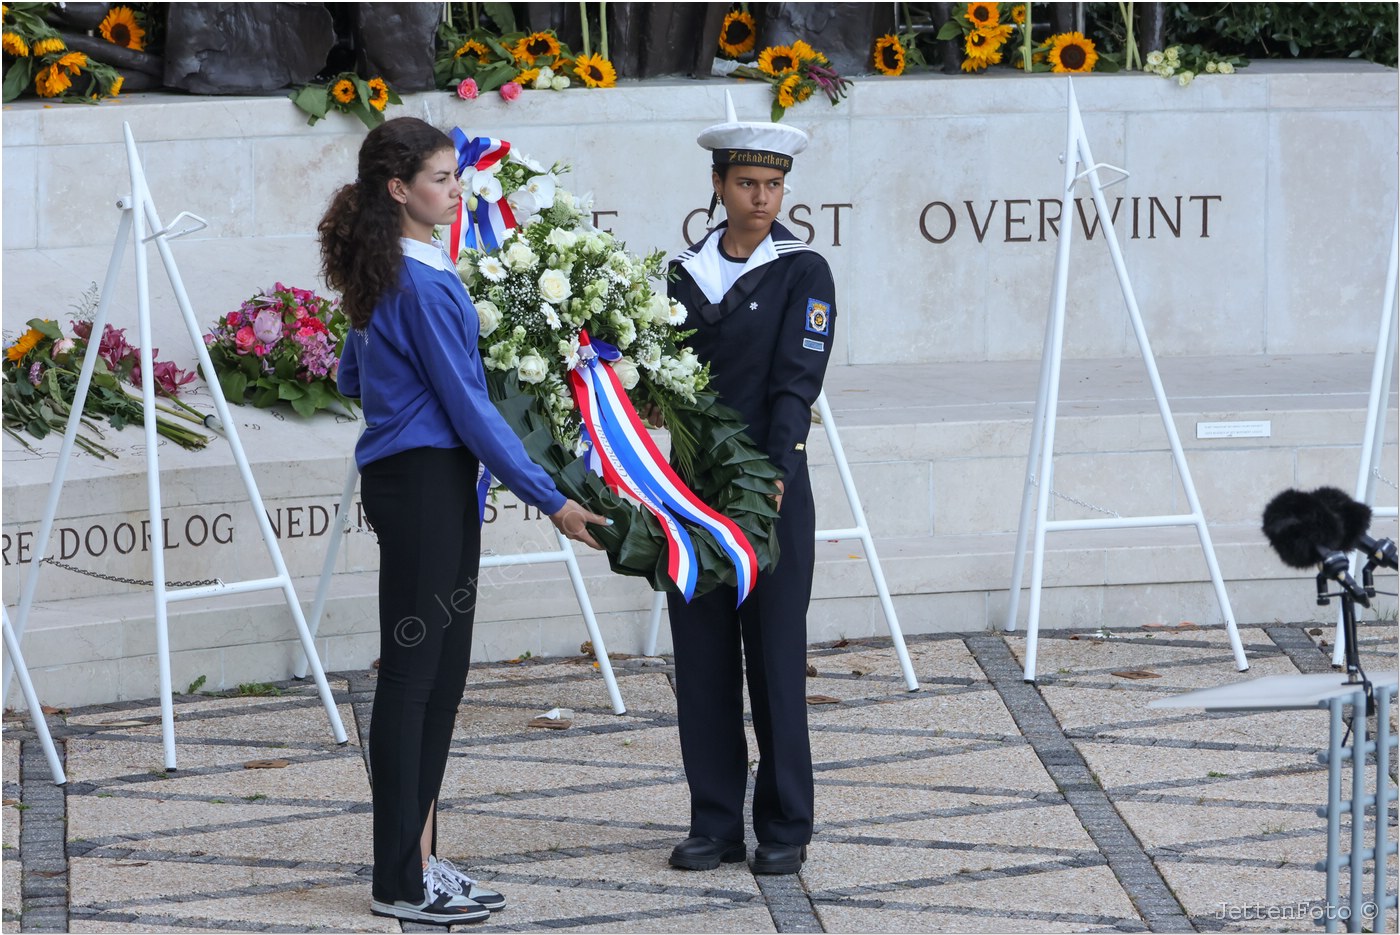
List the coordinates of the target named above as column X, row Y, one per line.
column 752, row 143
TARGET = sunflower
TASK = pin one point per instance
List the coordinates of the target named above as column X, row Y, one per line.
column 119, row 27
column 596, row 71
column 116, row 87
column 378, row 93
column 1071, row 52
column 981, row 49
column 889, row 56
column 737, row 35
column 786, row 90
column 1036, row 59
column 536, row 45
column 1018, row 14
column 52, row 81
column 45, row 46
column 73, row 62
column 777, row 59
column 26, row 343
column 343, row 90
column 526, row 78
column 471, row 46
column 15, row 45
column 803, row 91
column 982, row 14
column 997, row 35
column 805, row 53
column 984, row 45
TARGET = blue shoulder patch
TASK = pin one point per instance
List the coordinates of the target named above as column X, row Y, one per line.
column 818, row 317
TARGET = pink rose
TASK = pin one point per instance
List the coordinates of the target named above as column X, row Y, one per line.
column 267, row 326
column 468, row 90
column 244, row 340
column 510, row 90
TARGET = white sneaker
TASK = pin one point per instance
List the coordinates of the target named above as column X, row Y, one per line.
column 448, row 877
column 440, row 905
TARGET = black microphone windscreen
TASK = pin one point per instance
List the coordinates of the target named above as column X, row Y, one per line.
column 1354, row 516
column 1297, row 525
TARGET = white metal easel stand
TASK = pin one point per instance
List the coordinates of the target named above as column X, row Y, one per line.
column 31, row 699
column 138, row 210
column 565, row 554
column 1077, row 154
column 1373, row 440
column 861, row 531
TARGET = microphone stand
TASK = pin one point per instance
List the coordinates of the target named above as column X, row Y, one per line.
column 1355, row 674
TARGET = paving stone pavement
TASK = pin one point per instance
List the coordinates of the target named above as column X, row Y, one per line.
column 980, row 803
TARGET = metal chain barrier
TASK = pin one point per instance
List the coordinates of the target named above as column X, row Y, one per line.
column 139, row 582
column 1035, row 481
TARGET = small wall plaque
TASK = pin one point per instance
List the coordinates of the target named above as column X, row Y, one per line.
column 1262, row 429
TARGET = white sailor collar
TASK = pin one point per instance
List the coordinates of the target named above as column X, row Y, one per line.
column 704, row 263
column 432, row 255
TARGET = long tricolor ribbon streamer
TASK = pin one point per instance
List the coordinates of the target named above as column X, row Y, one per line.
column 632, row 465
column 485, row 226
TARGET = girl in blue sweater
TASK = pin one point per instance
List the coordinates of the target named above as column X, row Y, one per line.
column 412, row 360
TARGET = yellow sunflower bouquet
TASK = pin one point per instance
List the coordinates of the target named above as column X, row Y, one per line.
column 997, row 33
column 38, row 60
column 795, row 72
column 348, row 93
column 480, row 60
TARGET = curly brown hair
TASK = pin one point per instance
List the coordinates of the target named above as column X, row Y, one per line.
column 360, row 231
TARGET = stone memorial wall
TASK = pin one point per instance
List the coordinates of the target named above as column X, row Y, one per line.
column 1254, row 223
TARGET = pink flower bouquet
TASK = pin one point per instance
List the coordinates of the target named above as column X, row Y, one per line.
column 282, row 345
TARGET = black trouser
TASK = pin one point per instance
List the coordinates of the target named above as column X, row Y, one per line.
column 422, row 504
column 771, row 625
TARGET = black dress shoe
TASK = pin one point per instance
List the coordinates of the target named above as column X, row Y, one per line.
column 706, row 853
column 778, row 858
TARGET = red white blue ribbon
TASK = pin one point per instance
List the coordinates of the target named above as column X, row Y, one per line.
column 632, row 466
column 485, row 226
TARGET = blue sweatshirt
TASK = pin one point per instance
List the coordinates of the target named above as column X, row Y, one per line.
column 419, row 377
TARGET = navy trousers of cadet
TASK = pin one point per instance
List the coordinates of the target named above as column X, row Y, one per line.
column 765, row 637
column 422, row 504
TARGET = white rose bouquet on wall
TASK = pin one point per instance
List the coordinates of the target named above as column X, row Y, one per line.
column 556, row 296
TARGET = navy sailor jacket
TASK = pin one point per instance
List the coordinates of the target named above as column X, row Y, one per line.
column 767, row 340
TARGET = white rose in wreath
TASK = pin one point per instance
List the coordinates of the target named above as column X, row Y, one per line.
column 554, row 286
column 489, row 316
column 520, row 257
column 561, row 239
column 532, row 368
column 626, row 372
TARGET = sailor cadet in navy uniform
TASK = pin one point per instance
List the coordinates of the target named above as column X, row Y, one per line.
column 764, row 308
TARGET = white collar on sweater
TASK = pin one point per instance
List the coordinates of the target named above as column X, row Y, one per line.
column 433, row 254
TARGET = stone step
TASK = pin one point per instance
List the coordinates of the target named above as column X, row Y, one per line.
column 938, row 453
column 82, row 649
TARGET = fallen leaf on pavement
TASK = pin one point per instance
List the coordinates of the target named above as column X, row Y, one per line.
column 1137, row 674
column 551, row 723
column 822, row 699
column 267, row 764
